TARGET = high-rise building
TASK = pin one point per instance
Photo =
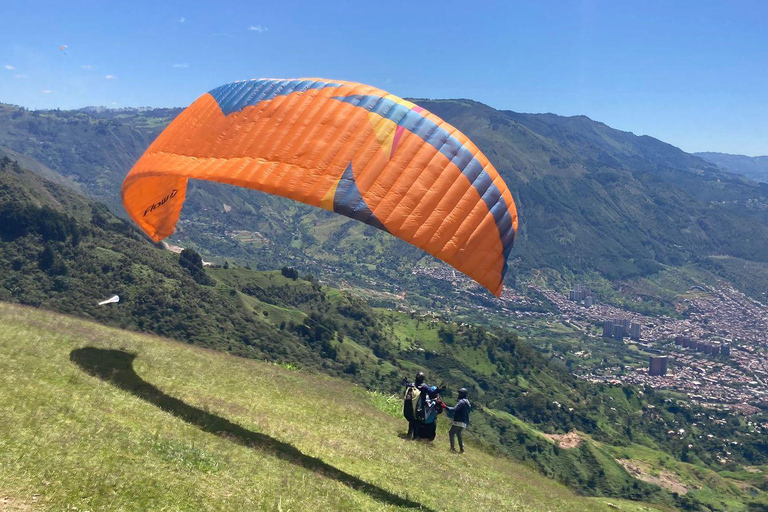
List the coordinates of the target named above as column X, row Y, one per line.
column 634, row 331
column 678, row 340
column 580, row 293
column 657, row 366
column 619, row 332
column 607, row 328
column 686, row 342
column 725, row 349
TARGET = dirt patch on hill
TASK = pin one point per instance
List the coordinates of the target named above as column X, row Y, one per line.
column 569, row 440
column 664, row 479
column 13, row 505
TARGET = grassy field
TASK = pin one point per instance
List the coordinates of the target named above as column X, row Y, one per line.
column 94, row 418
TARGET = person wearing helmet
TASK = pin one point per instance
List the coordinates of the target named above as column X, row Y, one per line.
column 423, row 390
column 460, row 415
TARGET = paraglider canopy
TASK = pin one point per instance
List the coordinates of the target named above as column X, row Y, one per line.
column 110, row 300
column 349, row 148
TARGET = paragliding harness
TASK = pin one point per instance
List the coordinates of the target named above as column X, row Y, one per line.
column 411, row 403
column 417, row 408
column 426, row 410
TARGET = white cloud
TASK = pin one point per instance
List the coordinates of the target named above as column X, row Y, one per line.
column 110, row 77
column 19, row 76
column 258, row 28
column 182, row 66
column 182, row 19
column 46, row 91
column 86, row 66
column 9, row 67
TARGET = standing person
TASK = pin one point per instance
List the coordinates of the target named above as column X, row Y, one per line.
column 433, row 405
column 460, row 415
column 415, row 395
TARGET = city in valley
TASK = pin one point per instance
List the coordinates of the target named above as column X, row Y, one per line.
column 716, row 354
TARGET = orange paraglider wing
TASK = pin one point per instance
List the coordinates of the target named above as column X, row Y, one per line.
column 346, row 147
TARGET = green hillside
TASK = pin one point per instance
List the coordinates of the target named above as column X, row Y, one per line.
column 89, row 147
column 95, row 418
column 64, row 253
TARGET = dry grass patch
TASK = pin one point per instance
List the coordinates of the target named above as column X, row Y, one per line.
column 567, row 441
column 665, row 479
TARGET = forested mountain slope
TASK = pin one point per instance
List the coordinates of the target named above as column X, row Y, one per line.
column 591, row 198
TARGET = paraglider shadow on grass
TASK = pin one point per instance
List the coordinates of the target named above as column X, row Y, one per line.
column 116, row 367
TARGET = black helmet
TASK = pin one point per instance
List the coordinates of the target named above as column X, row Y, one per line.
column 420, row 377
column 463, row 393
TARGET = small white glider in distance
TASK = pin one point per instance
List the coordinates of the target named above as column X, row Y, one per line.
column 110, row 300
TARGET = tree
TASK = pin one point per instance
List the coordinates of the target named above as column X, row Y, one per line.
column 47, row 258
column 193, row 263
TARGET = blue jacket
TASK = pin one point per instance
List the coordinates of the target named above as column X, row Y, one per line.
column 461, row 412
column 430, row 409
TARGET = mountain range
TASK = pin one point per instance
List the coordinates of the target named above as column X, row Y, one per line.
column 753, row 167
column 594, row 202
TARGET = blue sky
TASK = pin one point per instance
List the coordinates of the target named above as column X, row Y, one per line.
column 694, row 74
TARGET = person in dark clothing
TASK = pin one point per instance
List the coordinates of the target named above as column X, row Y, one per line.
column 423, row 387
column 460, row 415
